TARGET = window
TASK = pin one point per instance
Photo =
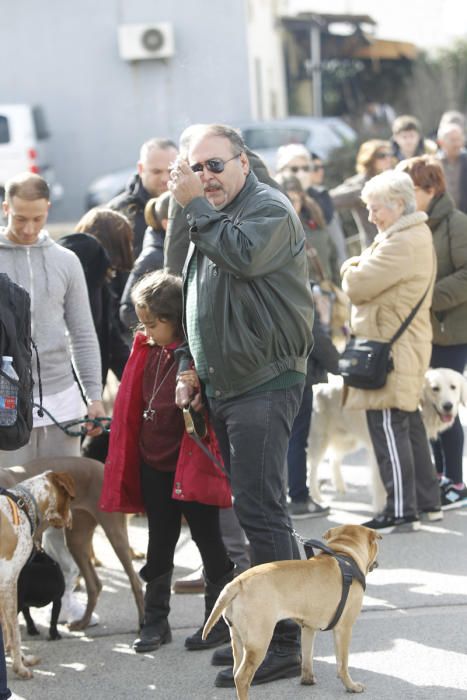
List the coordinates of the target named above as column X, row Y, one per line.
column 40, row 125
column 4, row 130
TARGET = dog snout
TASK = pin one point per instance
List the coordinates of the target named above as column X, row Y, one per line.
column 374, row 565
column 447, row 406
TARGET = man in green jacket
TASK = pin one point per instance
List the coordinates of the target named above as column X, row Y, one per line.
column 249, row 316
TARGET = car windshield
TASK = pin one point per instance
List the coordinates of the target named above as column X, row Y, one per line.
column 264, row 137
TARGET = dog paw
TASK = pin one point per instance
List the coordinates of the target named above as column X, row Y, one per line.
column 23, row 672
column 78, row 625
column 307, row 679
column 355, row 688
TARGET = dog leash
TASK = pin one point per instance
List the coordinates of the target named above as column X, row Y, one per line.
column 349, row 572
column 102, row 422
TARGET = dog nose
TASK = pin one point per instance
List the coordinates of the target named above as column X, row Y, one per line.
column 448, row 406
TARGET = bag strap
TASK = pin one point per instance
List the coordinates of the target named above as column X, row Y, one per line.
column 411, row 315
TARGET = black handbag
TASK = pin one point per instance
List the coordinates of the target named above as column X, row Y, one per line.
column 365, row 364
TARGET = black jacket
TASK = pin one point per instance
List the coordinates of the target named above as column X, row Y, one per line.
column 255, row 307
column 151, row 258
column 131, row 203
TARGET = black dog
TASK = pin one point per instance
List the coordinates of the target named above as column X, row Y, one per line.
column 41, row 582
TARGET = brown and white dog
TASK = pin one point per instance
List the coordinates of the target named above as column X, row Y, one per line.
column 308, row 592
column 88, row 475
column 47, row 499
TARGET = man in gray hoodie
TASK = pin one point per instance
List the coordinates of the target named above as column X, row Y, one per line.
column 63, row 330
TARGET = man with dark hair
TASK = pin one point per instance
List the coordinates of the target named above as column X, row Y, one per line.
column 248, row 317
column 151, row 180
column 63, row 330
column 407, row 138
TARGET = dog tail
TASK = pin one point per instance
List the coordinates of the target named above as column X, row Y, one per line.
column 228, row 593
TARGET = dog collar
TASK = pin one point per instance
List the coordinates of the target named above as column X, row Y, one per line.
column 26, row 502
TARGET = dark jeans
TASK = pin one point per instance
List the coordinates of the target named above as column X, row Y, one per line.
column 296, row 455
column 164, row 515
column 4, row 692
column 253, row 431
column 449, row 447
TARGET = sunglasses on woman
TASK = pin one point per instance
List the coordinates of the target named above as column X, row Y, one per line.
column 213, row 165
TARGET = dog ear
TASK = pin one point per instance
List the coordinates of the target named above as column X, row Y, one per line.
column 64, row 481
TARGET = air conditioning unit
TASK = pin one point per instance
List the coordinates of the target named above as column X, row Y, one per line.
column 140, row 42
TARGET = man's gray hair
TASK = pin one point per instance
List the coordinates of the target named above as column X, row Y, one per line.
column 160, row 144
column 449, row 128
column 391, row 187
column 198, row 131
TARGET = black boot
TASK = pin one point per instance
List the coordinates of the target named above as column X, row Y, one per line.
column 155, row 630
column 219, row 634
column 283, row 659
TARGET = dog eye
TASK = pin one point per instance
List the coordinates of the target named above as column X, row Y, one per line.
column 435, row 388
column 453, row 387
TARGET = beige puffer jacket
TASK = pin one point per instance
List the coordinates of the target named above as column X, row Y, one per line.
column 384, row 284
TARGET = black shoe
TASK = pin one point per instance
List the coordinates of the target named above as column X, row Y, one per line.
column 387, row 524
column 217, row 636
column 274, row 667
column 152, row 637
column 223, row 657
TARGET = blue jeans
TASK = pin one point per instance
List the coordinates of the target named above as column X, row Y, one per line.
column 4, row 692
column 449, row 447
column 296, row 455
column 253, row 431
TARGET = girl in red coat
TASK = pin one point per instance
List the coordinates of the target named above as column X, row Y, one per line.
column 148, row 443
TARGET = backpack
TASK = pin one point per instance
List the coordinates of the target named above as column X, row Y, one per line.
column 15, row 341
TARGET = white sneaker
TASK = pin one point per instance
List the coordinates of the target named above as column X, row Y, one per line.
column 73, row 609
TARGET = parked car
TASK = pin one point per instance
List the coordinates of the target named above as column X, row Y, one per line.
column 319, row 134
column 104, row 188
column 24, row 145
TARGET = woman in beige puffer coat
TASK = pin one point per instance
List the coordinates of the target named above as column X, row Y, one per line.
column 384, row 284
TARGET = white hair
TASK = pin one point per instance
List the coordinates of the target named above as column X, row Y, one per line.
column 449, row 128
column 287, row 153
column 390, row 187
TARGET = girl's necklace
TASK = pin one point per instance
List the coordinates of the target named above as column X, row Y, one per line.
column 150, row 413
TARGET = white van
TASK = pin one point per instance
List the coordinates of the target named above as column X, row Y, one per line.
column 24, row 140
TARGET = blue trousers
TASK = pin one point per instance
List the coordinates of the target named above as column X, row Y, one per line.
column 449, row 447
column 4, row 692
column 296, row 455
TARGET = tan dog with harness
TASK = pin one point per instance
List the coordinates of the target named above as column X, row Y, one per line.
column 311, row 592
column 25, row 511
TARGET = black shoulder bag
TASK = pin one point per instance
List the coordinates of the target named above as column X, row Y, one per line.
column 365, row 364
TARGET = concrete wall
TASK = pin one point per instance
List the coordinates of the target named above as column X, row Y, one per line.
column 64, row 56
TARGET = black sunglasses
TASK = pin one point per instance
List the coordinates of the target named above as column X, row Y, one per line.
column 214, row 165
column 296, row 168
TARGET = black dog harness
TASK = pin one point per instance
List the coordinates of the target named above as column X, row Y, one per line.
column 349, row 571
column 26, row 502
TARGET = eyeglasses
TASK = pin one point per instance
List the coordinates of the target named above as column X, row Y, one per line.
column 380, row 156
column 296, row 168
column 213, row 165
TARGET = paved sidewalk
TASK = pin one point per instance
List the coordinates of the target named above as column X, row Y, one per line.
column 409, row 642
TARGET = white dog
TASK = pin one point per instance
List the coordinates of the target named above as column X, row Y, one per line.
column 337, row 431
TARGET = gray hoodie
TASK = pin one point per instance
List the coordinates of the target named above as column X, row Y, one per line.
column 61, row 320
